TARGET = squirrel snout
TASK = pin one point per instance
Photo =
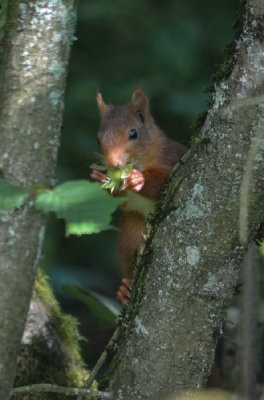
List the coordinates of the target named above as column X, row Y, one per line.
column 116, row 159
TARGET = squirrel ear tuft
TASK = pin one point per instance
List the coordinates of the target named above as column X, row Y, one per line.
column 102, row 107
column 139, row 103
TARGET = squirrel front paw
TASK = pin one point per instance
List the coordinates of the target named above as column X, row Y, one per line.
column 135, row 181
column 124, row 291
column 99, row 176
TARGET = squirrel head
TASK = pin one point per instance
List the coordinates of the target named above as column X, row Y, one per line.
column 126, row 132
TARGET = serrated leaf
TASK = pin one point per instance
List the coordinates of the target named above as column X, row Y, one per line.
column 11, row 196
column 83, row 204
column 102, row 307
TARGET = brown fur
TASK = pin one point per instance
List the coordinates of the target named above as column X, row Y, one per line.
column 152, row 152
column 131, row 228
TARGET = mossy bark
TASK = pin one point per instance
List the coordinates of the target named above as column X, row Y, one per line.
column 50, row 346
column 193, row 256
column 36, row 51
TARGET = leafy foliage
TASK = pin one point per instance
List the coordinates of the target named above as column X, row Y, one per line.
column 104, row 309
column 11, row 196
column 85, row 207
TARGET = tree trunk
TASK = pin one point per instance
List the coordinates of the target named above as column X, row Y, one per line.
column 192, row 257
column 36, row 53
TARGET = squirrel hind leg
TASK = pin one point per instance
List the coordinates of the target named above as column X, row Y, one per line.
column 132, row 227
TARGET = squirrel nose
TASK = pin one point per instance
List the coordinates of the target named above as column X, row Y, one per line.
column 115, row 159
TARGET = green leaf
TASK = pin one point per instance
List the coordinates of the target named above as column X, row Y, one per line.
column 83, row 204
column 102, row 307
column 11, row 196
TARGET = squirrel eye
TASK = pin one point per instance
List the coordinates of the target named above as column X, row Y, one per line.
column 133, row 134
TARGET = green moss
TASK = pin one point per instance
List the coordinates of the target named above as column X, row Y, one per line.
column 224, row 71
column 12, row 15
column 58, row 362
column 198, row 122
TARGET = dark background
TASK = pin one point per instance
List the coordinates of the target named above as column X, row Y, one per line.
column 168, row 48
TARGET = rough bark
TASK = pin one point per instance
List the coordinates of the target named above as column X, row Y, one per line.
column 192, row 258
column 36, row 53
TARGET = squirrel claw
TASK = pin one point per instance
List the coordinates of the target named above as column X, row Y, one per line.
column 124, row 291
column 121, row 298
column 99, row 176
column 128, row 283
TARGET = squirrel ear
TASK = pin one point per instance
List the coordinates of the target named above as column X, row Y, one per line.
column 102, row 107
column 139, row 103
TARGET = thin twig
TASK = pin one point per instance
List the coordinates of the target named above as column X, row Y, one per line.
column 98, row 365
column 48, row 388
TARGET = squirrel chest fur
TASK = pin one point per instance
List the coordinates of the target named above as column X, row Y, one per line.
column 138, row 203
column 129, row 135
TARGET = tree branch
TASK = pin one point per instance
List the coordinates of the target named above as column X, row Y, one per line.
column 192, row 258
column 99, row 364
column 66, row 391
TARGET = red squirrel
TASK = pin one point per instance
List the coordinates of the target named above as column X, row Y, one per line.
column 128, row 134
